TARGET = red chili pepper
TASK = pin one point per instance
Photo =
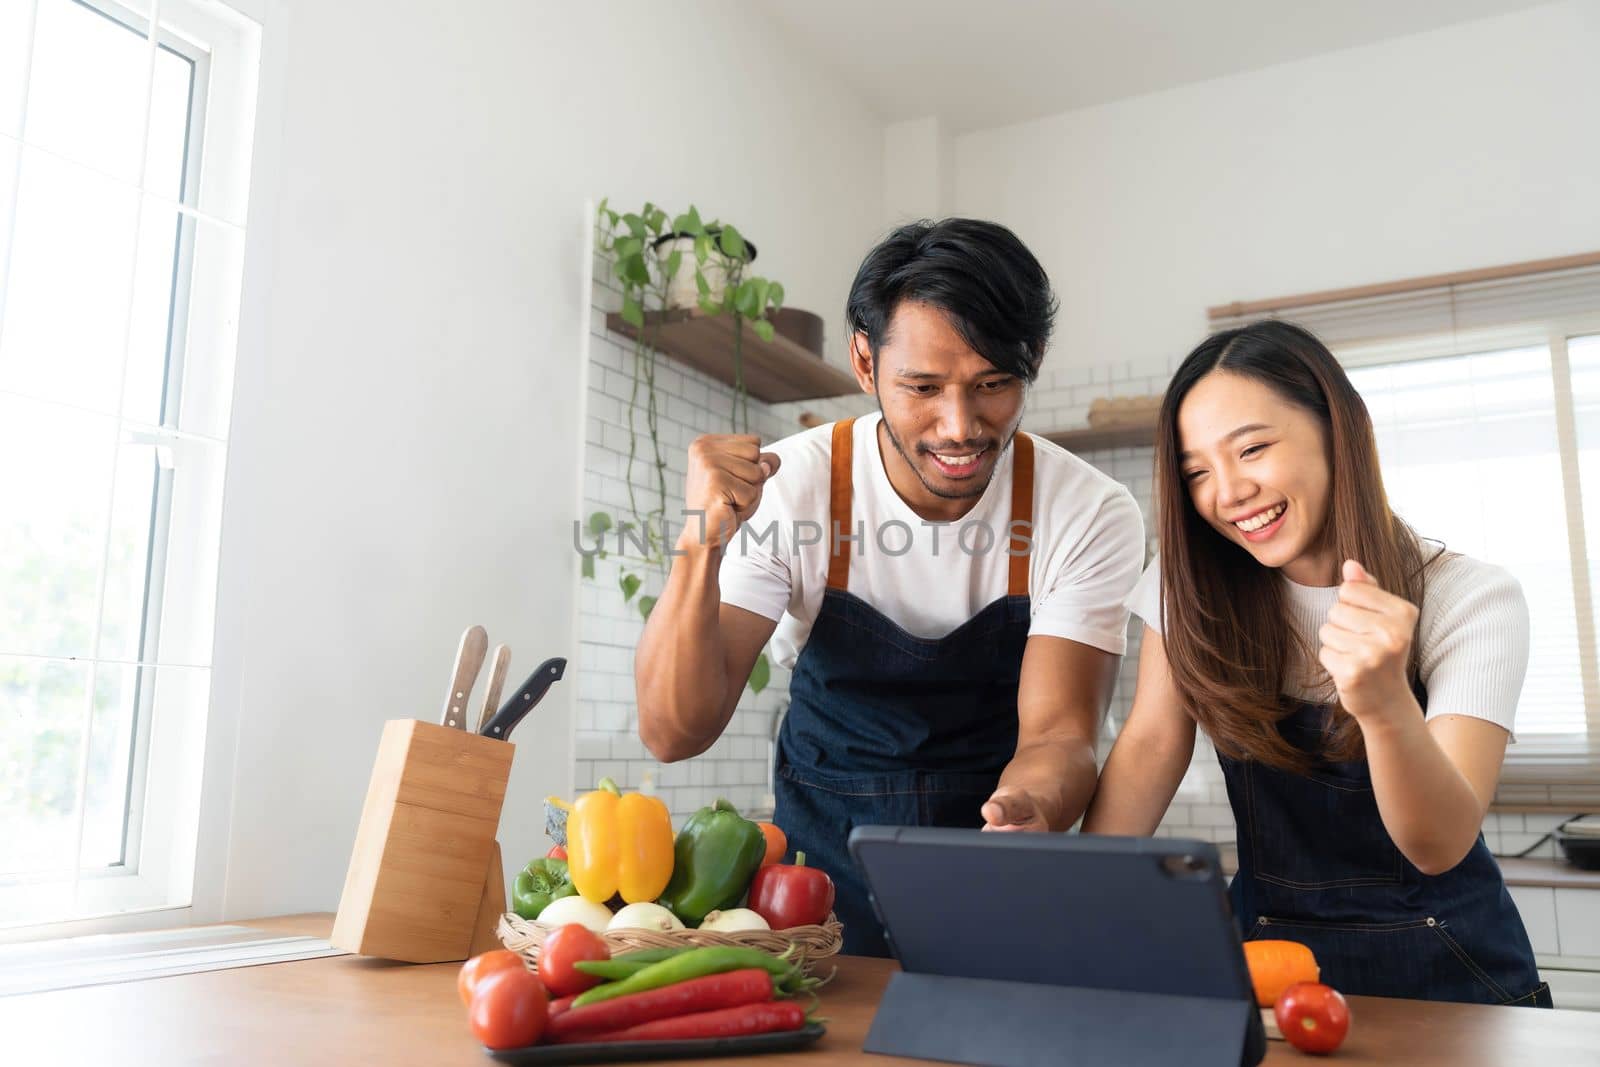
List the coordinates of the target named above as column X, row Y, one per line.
column 561, row 1007
column 791, row 894
column 766, row 1018
column 727, row 990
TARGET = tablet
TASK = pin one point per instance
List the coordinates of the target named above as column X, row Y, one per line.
column 1114, row 915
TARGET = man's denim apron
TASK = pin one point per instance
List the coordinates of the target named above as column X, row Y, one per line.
column 1317, row 866
column 887, row 728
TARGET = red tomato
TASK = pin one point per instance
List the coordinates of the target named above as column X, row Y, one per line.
column 557, row 852
column 478, row 968
column 509, row 1009
column 565, row 947
column 1312, row 1016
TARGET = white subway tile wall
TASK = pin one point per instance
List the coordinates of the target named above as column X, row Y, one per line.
column 738, row 766
column 607, row 726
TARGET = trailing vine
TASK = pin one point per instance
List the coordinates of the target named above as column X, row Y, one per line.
column 640, row 248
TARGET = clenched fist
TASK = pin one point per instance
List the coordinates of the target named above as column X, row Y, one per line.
column 726, row 473
column 1366, row 645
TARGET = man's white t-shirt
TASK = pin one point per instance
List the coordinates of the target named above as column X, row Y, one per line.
column 929, row 578
column 1472, row 635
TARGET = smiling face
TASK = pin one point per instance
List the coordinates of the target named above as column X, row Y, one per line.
column 1256, row 468
column 948, row 413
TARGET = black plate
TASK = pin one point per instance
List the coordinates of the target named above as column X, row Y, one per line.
column 618, row 1051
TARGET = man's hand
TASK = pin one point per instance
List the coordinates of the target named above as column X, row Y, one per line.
column 726, row 473
column 1011, row 810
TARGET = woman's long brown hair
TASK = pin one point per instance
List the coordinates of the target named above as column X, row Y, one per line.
column 1226, row 628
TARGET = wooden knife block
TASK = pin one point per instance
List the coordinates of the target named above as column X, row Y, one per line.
column 425, row 883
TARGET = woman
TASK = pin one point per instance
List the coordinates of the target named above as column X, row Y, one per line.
column 1358, row 685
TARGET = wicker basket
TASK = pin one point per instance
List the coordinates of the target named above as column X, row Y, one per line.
column 810, row 943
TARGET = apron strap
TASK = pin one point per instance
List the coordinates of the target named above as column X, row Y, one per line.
column 839, row 501
column 1021, row 512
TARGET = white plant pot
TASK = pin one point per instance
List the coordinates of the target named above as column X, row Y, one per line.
column 682, row 292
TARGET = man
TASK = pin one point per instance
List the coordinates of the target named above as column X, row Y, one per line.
column 947, row 590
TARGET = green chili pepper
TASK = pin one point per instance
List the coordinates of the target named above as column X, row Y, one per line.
column 695, row 963
column 612, row 970
column 628, row 963
column 540, row 882
column 714, row 856
column 649, row 955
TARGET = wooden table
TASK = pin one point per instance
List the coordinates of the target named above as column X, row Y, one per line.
column 349, row 1010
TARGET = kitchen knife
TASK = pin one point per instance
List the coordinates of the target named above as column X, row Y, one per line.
column 532, row 691
column 497, row 680
column 469, row 658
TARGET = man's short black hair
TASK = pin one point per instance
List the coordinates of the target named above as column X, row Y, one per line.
column 978, row 273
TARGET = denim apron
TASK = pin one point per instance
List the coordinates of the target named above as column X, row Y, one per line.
column 887, row 728
column 1317, row 866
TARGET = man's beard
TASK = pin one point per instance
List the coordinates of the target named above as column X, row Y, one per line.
column 916, row 468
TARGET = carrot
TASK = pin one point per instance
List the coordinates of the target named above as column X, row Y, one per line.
column 777, row 843
column 1277, row 965
column 769, row 1017
column 727, row 990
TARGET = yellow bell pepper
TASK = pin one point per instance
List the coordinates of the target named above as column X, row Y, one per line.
column 619, row 844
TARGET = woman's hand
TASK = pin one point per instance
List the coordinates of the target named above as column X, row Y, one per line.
column 1366, row 647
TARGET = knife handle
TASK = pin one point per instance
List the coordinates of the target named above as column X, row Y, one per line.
column 523, row 700
column 469, row 660
column 498, row 665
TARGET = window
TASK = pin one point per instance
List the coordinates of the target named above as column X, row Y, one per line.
column 124, row 153
column 1471, row 457
column 1485, row 399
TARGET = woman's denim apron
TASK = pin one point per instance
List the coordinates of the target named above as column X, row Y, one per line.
column 887, row 728
column 1317, row 866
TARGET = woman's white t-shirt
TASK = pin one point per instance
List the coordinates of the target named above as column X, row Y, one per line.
column 929, row 578
column 1472, row 634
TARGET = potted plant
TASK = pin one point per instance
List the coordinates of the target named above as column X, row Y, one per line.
column 721, row 284
column 683, row 290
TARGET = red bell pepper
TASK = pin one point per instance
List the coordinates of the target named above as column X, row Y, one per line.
column 788, row 895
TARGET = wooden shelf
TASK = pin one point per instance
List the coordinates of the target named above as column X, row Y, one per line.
column 774, row 371
column 1090, row 439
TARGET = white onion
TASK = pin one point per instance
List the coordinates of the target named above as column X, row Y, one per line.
column 733, row 920
column 644, row 916
column 575, row 909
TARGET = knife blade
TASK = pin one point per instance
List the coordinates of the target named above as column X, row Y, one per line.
column 469, row 659
column 533, row 690
column 498, row 664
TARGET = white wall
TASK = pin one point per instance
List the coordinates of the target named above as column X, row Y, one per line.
column 408, row 425
column 1465, row 147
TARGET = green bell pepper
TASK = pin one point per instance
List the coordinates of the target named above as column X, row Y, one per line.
column 540, row 882
column 714, row 856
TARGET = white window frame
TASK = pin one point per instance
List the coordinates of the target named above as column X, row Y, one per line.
column 178, row 780
column 1540, row 760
